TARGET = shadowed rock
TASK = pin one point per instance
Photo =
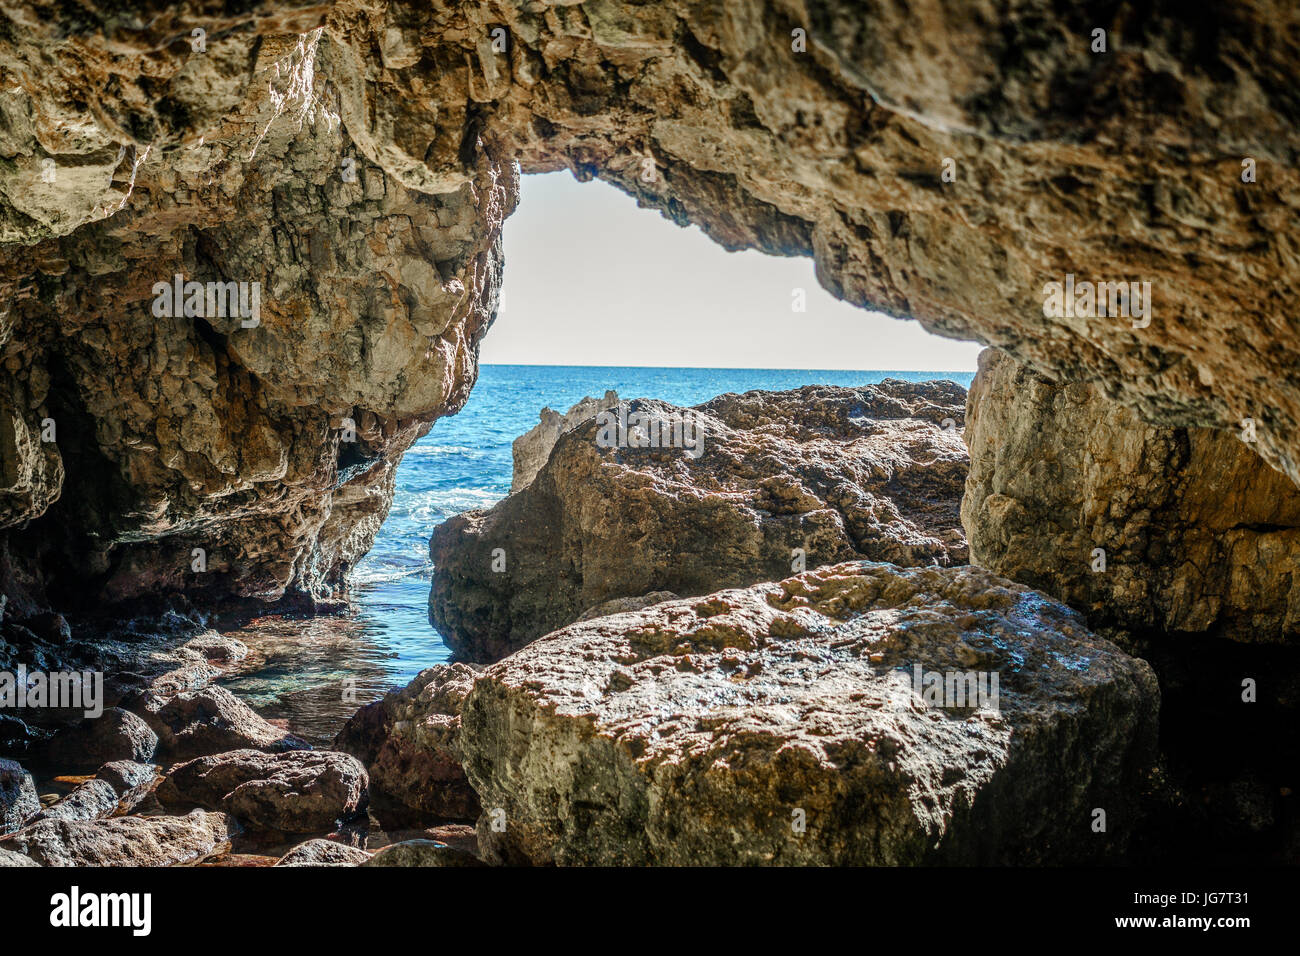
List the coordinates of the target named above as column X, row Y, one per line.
column 125, row 841
column 114, row 735
column 780, row 724
column 1199, row 533
column 295, row 792
column 813, row 475
column 18, row 799
column 213, row 720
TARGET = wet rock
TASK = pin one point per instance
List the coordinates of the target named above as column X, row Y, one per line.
column 10, row 858
column 18, row 799
column 531, row 449
column 213, row 720
column 1199, row 533
column 777, row 481
column 90, row 801
column 125, row 841
column 409, row 742
column 293, row 792
column 422, row 853
column 115, row 734
column 780, row 724
column 324, row 853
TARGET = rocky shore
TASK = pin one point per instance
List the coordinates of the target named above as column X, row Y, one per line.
column 681, row 651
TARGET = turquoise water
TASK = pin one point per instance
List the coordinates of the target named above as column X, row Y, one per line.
column 314, row 673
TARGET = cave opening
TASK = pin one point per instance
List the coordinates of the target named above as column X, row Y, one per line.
column 644, row 308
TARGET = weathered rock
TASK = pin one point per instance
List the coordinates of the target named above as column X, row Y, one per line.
column 623, row 605
column 817, row 474
column 409, row 742
column 293, row 792
column 531, row 449
column 10, row 858
column 115, row 734
column 131, row 781
column 18, row 799
column 939, row 164
column 707, row 731
column 213, row 720
column 125, row 841
column 1199, row 534
column 91, row 800
column 422, row 853
column 324, row 853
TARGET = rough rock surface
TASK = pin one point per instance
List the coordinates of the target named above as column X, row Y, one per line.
column 818, row 129
column 531, row 449
column 294, row 792
column 641, row 738
column 323, row 853
column 10, row 858
column 213, row 720
column 422, row 853
column 124, row 841
column 18, row 799
column 828, row 473
column 90, row 801
column 131, row 781
column 409, row 742
column 1199, row 533
column 115, row 734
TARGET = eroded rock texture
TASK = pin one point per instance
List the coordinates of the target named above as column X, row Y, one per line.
column 813, row 475
column 134, row 150
column 642, row 738
column 410, row 744
column 531, row 449
column 1199, row 534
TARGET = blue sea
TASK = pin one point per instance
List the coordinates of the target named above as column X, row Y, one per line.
column 311, row 674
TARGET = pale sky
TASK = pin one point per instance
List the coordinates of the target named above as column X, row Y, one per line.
column 590, row 279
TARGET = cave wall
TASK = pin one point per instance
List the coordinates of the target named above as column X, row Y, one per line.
column 358, row 159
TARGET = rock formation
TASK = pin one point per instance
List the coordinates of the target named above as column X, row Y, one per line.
column 410, row 744
column 813, row 475
column 531, row 449
column 358, row 160
column 124, row 841
column 785, row 717
column 1141, row 526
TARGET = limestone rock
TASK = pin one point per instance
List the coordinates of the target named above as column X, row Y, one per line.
column 124, row 841
column 132, row 782
column 818, row 474
column 18, row 799
column 293, row 792
column 324, row 853
column 115, row 734
column 422, row 853
column 779, row 724
column 1200, row 534
column 213, row 720
column 10, row 858
column 531, row 449
column 409, row 742
column 623, row 605
column 90, row 801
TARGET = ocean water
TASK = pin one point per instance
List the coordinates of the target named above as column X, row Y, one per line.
column 313, row 673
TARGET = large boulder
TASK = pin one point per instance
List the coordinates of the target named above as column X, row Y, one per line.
column 89, row 801
column 1140, row 526
column 18, row 799
column 293, row 792
column 775, row 482
column 410, row 744
column 783, row 724
column 213, row 720
column 124, row 841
